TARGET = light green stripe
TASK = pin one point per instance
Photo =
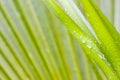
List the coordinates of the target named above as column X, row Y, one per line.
column 18, row 39
column 12, row 60
column 5, row 65
column 3, row 74
column 34, row 38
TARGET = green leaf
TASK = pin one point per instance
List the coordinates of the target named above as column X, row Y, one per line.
column 53, row 40
column 82, row 38
column 106, row 33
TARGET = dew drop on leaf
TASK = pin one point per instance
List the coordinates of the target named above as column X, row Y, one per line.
column 89, row 46
column 83, row 41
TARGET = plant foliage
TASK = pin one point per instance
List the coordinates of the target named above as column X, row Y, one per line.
column 57, row 40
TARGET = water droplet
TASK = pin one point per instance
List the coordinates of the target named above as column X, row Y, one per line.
column 108, row 63
column 102, row 56
column 83, row 41
column 89, row 46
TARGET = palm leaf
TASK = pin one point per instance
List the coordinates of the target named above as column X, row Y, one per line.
column 39, row 40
